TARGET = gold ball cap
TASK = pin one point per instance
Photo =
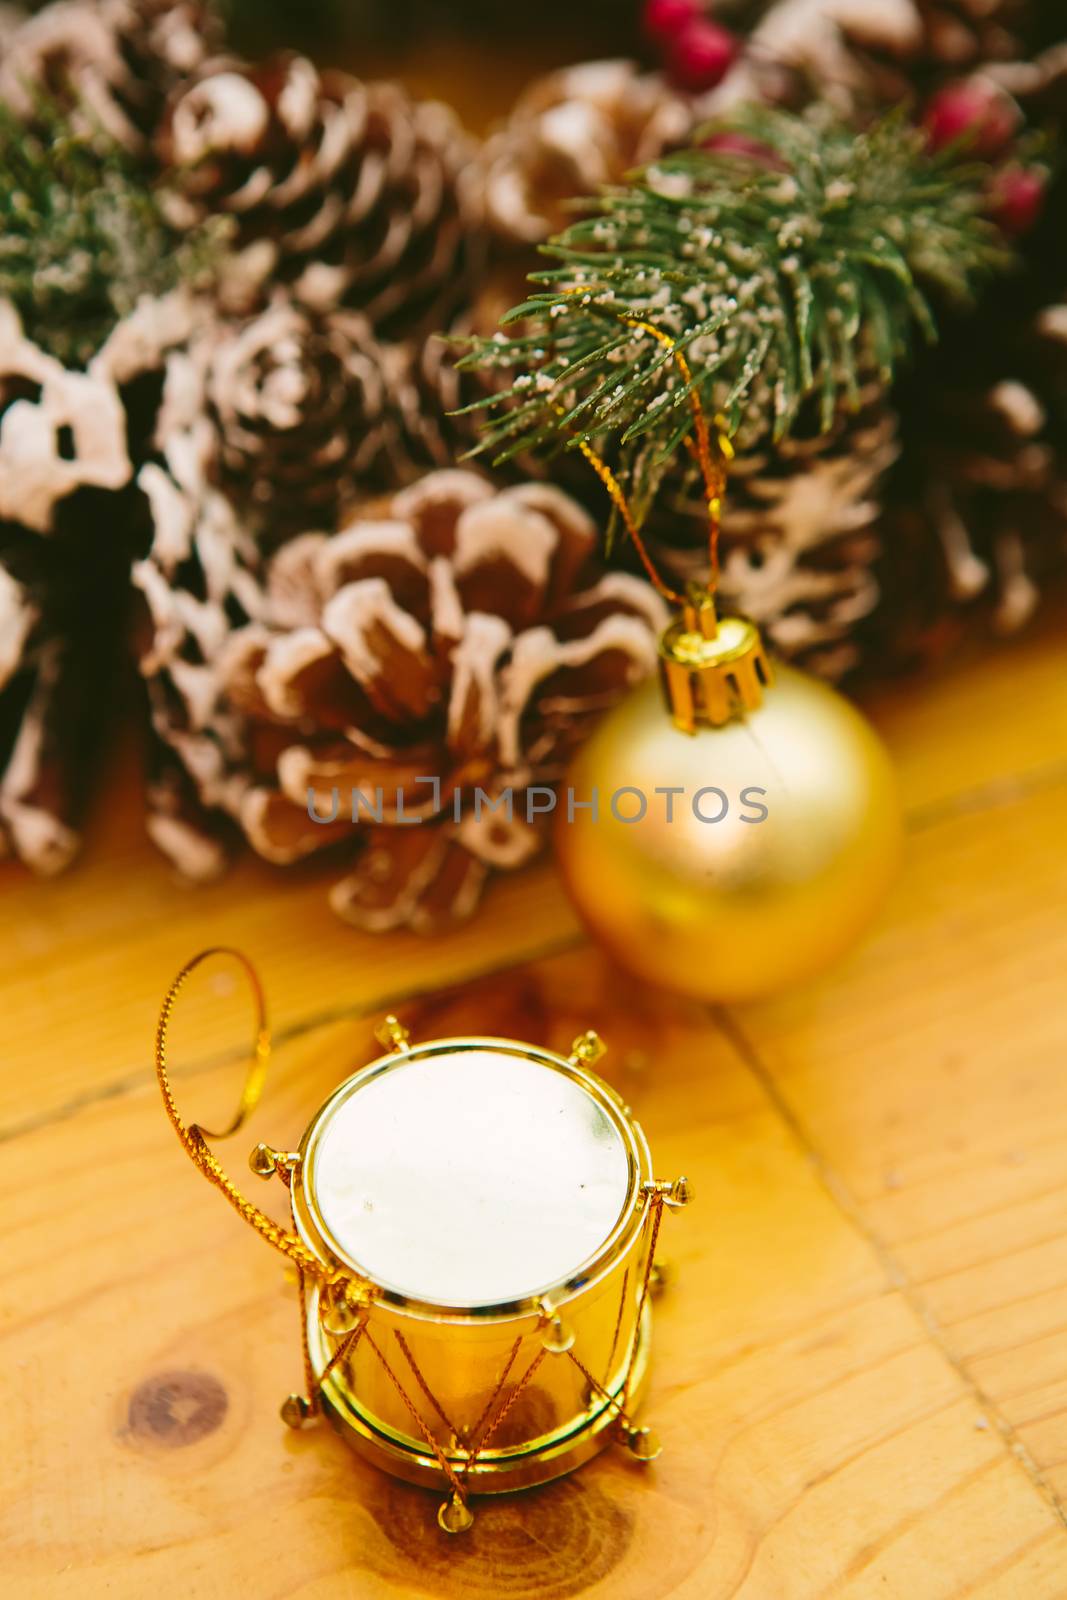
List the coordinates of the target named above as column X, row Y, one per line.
column 734, row 639
column 713, row 669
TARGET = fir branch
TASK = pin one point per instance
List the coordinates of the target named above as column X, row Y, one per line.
column 781, row 275
column 82, row 234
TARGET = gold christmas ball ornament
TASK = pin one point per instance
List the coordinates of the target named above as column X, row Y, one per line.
column 740, row 841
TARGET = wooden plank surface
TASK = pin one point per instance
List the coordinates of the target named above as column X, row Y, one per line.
column 67, row 943
column 861, row 1370
column 816, row 1441
column 935, row 1090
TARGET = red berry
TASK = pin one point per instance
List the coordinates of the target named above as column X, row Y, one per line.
column 976, row 113
column 1016, row 198
column 664, row 19
column 702, row 55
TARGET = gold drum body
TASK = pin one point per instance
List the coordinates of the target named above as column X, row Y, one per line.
column 495, row 1197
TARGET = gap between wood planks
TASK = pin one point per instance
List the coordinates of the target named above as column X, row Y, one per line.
column 988, row 796
column 1004, row 791
column 137, row 1077
column 838, row 1191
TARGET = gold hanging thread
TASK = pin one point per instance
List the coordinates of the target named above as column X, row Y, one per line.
column 194, row 1138
column 711, row 670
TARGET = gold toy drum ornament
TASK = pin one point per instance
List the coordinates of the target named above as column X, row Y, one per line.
column 474, row 1232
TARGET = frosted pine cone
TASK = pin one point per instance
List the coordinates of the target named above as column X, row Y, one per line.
column 821, row 47
column 63, row 459
column 298, row 414
column 11, row 19
column 857, row 54
column 800, row 545
column 22, row 655
column 570, row 133
column 349, row 193
column 454, row 640
column 305, row 409
column 977, row 514
column 59, row 430
column 962, row 35
column 51, row 706
column 112, row 63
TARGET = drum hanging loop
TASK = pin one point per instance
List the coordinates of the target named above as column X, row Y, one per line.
column 194, row 1138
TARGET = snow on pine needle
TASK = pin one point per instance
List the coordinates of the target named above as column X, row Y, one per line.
column 786, row 256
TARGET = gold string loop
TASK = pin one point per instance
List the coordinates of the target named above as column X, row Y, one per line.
column 194, row 1138
column 617, row 496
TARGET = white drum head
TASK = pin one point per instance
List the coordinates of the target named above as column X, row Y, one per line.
column 470, row 1176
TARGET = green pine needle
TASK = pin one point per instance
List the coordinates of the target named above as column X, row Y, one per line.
column 82, row 235
column 781, row 278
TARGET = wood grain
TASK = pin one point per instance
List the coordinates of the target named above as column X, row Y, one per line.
column 928, row 1072
column 77, row 1020
column 861, row 1372
column 816, row 1441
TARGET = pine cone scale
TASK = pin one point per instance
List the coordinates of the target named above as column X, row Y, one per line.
column 379, row 659
column 349, row 194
